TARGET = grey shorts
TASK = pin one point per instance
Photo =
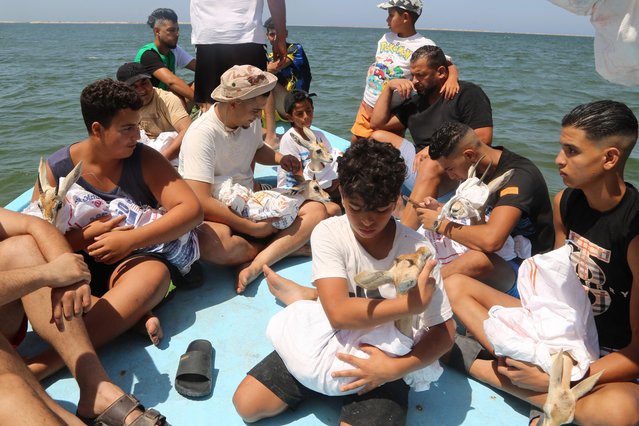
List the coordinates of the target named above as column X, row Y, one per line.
column 386, row 405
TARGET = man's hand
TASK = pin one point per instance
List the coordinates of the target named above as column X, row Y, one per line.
column 67, row 269
column 403, row 86
column 70, row 301
column 102, row 225
column 111, row 247
column 426, row 216
column 290, row 163
column 419, row 297
column 368, row 373
column 279, row 51
column 523, row 374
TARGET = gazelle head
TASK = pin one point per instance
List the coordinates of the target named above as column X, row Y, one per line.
column 403, row 275
column 560, row 403
column 310, row 190
column 318, row 152
column 471, row 195
column 51, row 198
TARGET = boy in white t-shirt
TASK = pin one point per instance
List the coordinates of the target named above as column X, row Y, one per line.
column 366, row 238
column 299, row 111
column 392, row 60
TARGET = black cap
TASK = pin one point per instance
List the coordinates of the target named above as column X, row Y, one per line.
column 294, row 97
column 131, row 72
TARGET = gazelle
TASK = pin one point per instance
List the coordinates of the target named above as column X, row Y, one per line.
column 560, row 403
column 318, row 152
column 403, row 275
column 52, row 199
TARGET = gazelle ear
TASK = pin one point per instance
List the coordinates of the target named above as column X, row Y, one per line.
column 556, row 371
column 371, row 280
column 472, row 169
column 300, row 141
column 309, row 134
column 499, row 182
column 70, row 179
column 43, row 181
column 585, row 386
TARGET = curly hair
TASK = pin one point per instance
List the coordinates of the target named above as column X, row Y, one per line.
column 101, row 100
column 372, row 171
column 446, row 139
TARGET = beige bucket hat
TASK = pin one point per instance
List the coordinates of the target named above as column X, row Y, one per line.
column 242, row 82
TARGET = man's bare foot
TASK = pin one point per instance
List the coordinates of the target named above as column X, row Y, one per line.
column 286, row 290
column 304, row 251
column 246, row 276
column 150, row 325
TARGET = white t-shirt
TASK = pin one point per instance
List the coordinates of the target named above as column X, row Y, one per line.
column 337, row 254
column 211, row 154
column 392, row 60
column 182, row 58
column 289, row 146
column 227, row 22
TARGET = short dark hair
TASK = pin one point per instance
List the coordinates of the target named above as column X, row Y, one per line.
column 434, row 56
column 101, row 100
column 294, row 97
column 160, row 15
column 269, row 24
column 601, row 119
column 446, row 139
column 373, row 171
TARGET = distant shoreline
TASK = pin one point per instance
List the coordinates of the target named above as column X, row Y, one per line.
column 320, row 26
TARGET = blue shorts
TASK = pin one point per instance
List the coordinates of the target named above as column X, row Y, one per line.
column 515, row 264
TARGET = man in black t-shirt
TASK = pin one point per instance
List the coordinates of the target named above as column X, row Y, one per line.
column 425, row 109
column 520, row 209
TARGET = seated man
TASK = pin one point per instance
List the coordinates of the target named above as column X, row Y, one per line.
column 37, row 265
column 425, row 109
column 293, row 72
column 223, row 144
column 598, row 216
column 521, row 208
column 161, row 111
column 163, row 56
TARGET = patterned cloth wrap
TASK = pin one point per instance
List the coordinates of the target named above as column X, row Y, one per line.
column 273, row 203
column 83, row 207
column 163, row 140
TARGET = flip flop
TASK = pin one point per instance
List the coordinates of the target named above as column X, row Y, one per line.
column 194, row 373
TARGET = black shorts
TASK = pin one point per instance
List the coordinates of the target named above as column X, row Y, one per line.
column 214, row 59
column 101, row 272
column 386, row 405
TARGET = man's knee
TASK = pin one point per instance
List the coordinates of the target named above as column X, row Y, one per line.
column 19, row 252
column 253, row 401
column 614, row 404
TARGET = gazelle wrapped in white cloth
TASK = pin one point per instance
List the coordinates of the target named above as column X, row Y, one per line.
column 555, row 315
column 307, row 343
column 69, row 206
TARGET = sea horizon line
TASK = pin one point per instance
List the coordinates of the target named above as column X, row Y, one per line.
column 293, row 25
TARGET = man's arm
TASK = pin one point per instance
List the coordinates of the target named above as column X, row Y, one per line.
column 382, row 118
column 278, row 13
column 488, row 237
column 174, row 83
column 560, row 229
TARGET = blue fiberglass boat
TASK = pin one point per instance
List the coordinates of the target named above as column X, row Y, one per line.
column 235, row 326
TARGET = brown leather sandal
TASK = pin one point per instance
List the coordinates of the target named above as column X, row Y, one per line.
column 116, row 413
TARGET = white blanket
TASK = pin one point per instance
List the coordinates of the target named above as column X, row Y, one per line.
column 308, row 345
column 555, row 314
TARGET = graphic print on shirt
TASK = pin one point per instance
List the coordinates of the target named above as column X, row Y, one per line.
column 381, row 71
column 583, row 255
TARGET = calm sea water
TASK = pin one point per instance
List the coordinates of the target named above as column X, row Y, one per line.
column 532, row 81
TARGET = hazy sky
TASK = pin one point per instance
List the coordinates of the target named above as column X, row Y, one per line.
column 538, row 16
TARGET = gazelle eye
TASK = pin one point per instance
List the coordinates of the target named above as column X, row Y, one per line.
column 57, row 205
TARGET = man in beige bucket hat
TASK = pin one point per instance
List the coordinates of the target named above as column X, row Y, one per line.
column 223, row 144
